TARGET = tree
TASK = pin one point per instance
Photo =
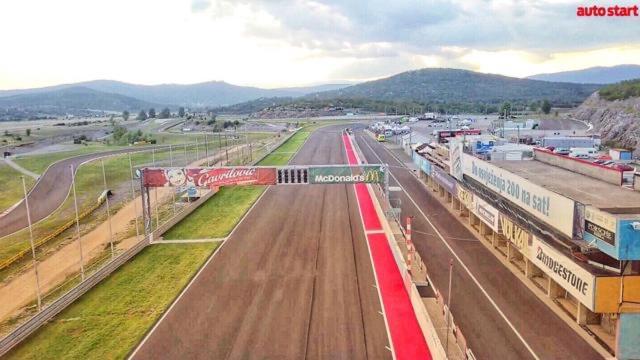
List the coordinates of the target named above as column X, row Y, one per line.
column 164, row 114
column 141, row 115
column 181, row 111
column 505, row 110
column 152, row 113
column 125, row 115
column 28, row 132
column 546, row 106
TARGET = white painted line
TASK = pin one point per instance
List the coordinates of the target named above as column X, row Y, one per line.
column 464, row 266
column 372, row 232
column 133, row 354
column 188, row 241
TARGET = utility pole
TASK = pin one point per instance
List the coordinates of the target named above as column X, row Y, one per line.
column 33, row 247
column 449, row 303
column 106, row 199
column 75, row 204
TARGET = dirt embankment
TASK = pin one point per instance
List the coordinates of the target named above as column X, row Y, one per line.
column 617, row 121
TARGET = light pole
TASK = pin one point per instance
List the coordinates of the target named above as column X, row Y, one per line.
column 449, row 302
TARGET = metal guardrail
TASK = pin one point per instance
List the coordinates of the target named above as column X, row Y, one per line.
column 26, row 329
column 34, row 323
column 51, row 310
column 5, row 264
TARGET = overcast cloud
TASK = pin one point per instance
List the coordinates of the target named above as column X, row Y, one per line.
column 273, row 43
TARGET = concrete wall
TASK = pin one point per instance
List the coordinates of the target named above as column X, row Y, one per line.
column 580, row 166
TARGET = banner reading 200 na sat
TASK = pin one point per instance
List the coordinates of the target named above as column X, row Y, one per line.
column 372, row 174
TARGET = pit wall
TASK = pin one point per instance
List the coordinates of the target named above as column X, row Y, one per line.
column 580, row 166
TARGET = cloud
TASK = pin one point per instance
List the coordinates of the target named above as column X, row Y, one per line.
column 425, row 25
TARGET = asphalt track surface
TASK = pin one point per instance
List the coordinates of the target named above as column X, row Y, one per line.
column 488, row 334
column 293, row 281
column 49, row 193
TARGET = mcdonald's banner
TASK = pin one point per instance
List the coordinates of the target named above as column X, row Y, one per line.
column 372, row 174
column 208, row 177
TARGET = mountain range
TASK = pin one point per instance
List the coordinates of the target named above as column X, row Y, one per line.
column 428, row 86
column 212, row 93
column 594, row 75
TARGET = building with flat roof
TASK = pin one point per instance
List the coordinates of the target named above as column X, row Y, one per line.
column 581, row 188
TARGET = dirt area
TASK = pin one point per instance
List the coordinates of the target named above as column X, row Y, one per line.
column 20, row 290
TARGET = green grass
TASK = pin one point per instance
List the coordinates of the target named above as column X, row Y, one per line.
column 111, row 319
column 283, row 154
column 39, row 163
column 11, row 190
column 620, row 91
column 218, row 215
column 108, row 321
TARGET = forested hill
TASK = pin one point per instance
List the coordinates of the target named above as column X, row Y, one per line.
column 454, row 85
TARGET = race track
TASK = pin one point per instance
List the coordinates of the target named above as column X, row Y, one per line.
column 49, row 192
column 293, row 281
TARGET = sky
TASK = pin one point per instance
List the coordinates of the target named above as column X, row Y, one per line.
column 280, row 43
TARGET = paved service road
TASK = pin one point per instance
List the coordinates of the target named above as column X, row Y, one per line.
column 293, row 281
column 49, row 193
column 487, row 332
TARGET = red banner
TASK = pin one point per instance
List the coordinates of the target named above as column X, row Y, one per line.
column 209, row 177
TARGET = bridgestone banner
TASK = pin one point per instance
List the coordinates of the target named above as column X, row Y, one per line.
column 577, row 281
column 371, row 174
column 209, row 177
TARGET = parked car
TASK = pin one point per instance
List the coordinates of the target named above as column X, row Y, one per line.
column 623, row 167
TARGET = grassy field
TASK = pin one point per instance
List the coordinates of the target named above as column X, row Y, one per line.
column 39, row 163
column 111, row 319
column 218, row 216
column 11, row 190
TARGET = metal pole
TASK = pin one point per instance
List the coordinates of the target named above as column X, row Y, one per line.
column 106, row 195
column 75, row 204
column 133, row 197
column 226, row 147
column 197, row 150
column 173, row 191
column 33, row 247
column 206, row 149
column 155, row 192
column 449, row 302
column 186, row 162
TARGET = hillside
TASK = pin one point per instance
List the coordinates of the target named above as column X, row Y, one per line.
column 594, row 75
column 621, row 91
column 211, row 94
column 453, row 85
column 617, row 121
column 72, row 100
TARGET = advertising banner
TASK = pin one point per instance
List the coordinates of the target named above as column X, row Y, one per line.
column 209, row 177
column 577, row 281
column 442, row 178
column 455, row 148
column 518, row 236
column 600, row 225
column 466, row 198
column 488, row 213
column 552, row 208
column 371, row 174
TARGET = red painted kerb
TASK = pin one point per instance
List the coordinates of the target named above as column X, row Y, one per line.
column 406, row 335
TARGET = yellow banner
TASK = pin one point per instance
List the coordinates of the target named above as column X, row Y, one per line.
column 516, row 235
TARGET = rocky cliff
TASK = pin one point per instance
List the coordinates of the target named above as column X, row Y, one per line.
column 617, row 121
